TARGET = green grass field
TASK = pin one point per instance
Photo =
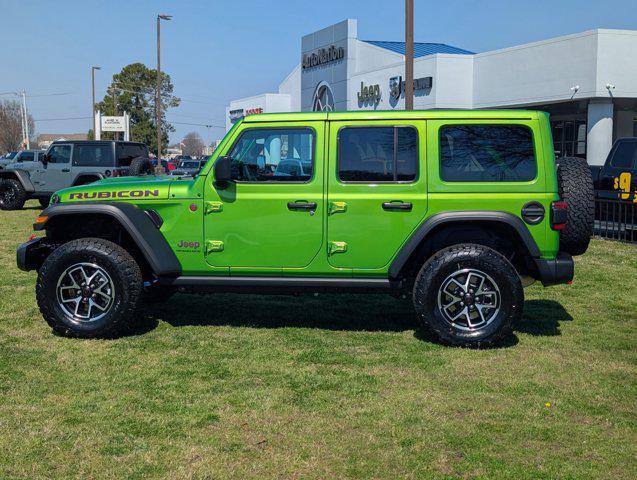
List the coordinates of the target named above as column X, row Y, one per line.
column 245, row 387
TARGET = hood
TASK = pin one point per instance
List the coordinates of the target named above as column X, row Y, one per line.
column 119, row 189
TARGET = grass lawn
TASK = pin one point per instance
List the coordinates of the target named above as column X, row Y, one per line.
column 244, row 387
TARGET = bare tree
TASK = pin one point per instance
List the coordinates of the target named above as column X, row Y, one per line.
column 11, row 126
column 192, row 144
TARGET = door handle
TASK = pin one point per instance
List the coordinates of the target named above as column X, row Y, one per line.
column 302, row 205
column 66, row 170
column 403, row 206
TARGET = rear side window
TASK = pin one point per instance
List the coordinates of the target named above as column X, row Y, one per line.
column 93, row 156
column 487, row 153
column 625, row 155
column 127, row 152
column 378, row 154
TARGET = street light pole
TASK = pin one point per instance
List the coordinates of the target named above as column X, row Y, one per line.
column 158, row 93
column 409, row 54
column 93, row 90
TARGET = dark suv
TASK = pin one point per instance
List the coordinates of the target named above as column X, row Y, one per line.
column 66, row 164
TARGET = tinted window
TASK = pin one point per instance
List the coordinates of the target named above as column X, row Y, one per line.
column 93, row 156
column 26, row 157
column 625, row 155
column 273, row 155
column 60, row 154
column 378, row 154
column 127, row 152
column 189, row 165
column 487, row 153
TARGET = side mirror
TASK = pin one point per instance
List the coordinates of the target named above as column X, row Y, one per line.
column 223, row 172
column 44, row 159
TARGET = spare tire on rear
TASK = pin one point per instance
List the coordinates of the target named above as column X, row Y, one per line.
column 575, row 186
column 141, row 166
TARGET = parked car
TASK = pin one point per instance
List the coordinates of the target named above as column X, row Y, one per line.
column 617, row 178
column 26, row 158
column 187, row 168
column 6, row 159
column 65, row 164
column 454, row 210
column 164, row 163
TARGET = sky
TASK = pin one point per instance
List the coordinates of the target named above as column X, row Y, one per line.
column 217, row 51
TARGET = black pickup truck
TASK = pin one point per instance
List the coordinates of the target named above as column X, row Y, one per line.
column 617, row 178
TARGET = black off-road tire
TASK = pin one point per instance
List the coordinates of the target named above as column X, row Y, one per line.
column 459, row 258
column 120, row 267
column 141, row 166
column 575, row 184
column 12, row 194
column 44, row 202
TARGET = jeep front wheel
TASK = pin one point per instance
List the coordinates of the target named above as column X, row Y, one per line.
column 469, row 295
column 89, row 288
column 12, row 194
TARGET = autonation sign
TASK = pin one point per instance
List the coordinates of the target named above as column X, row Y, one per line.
column 323, row 56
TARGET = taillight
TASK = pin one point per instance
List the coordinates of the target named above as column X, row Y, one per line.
column 117, row 173
column 559, row 212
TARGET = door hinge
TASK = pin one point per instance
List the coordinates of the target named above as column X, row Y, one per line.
column 337, row 207
column 213, row 207
column 214, row 246
column 337, row 247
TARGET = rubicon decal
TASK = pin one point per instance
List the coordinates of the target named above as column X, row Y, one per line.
column 118, row 194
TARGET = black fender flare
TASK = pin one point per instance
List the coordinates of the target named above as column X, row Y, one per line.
column 461, row 216
column 21, row 175
column 99, row 175
column 139, row 225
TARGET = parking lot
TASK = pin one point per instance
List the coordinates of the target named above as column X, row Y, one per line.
column 322, row 387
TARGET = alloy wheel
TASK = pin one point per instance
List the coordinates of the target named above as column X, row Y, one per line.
column 85, row 292
column 469, row 299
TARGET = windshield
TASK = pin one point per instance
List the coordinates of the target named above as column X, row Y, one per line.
column 189, row 165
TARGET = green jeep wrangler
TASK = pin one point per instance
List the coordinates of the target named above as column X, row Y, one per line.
column 456, row 209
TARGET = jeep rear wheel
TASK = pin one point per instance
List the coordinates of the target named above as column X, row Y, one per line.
column 575, row 185
column 12, row 194
column 89, row 288
column 469, row 295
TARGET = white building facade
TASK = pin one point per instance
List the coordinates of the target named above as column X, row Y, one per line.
column 586, row 81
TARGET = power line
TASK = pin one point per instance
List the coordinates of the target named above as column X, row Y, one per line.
column 170, row 95
column 197, row 124
column 58, row 119
column 52, row 94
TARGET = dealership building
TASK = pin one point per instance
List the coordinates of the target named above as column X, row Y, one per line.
column 586, row 81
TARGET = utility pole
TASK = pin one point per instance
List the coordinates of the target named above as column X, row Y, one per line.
column 158, row 93
column 93, row 88
column 26, row 120
column 409, row 54
column 19, row 94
